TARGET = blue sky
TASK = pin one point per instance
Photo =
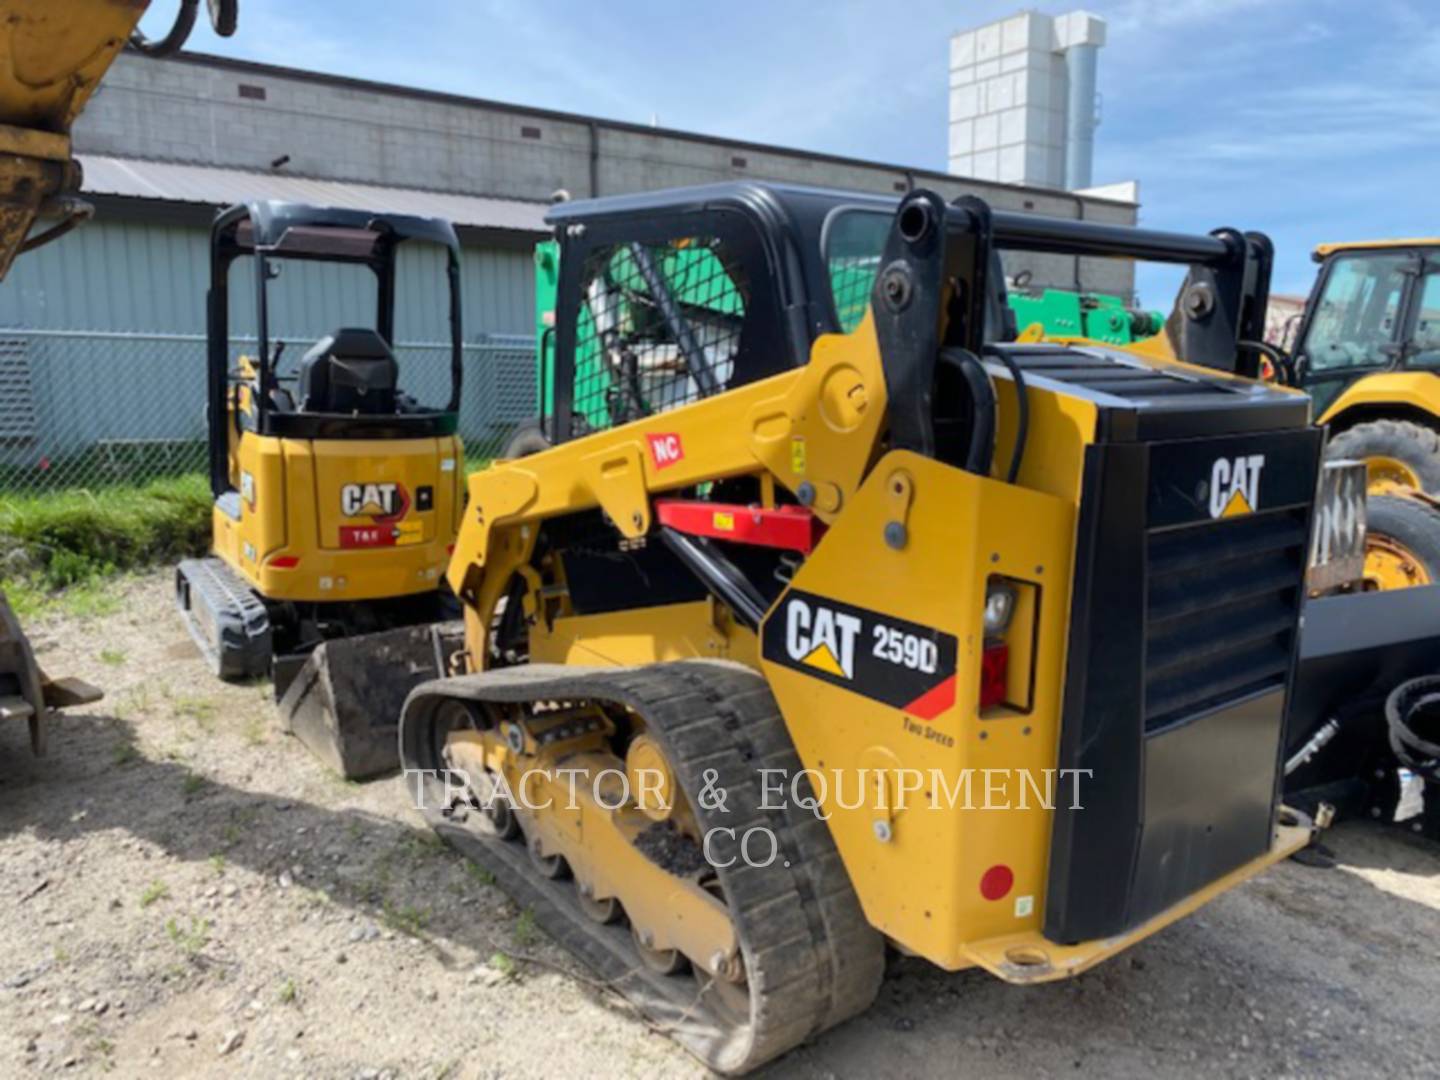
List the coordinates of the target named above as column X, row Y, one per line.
column 1308, row 119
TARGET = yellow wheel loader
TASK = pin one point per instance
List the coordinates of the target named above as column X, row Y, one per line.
column 1368, row 352
column 797, row 643
column 337, row 480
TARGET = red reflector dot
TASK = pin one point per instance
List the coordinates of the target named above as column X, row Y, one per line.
column 996, row 882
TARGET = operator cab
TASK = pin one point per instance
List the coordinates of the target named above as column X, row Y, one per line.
column 350, row 383
column 1374, row 309
column 671, row 297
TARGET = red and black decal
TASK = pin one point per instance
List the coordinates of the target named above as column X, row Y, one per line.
column 666, row 449
column 367, row 536
column 890, row 660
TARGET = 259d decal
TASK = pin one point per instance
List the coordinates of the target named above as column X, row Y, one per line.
column 894, row 661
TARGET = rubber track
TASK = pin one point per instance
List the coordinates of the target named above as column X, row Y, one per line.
column 811, row 958
column 234, row 607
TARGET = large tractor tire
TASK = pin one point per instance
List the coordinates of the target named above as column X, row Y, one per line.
column 1396, row 452
column 1402, row 543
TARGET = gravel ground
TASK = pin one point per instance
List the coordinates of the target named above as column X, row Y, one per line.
column 184, row 890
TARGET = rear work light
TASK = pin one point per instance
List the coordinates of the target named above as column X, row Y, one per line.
column 999, row 607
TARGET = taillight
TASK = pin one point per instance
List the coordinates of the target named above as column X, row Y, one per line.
column 994, row 673
column 285, row 562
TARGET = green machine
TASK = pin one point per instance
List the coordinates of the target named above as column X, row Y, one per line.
column 1096, row 316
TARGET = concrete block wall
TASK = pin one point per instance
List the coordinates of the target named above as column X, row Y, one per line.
column 208, row 111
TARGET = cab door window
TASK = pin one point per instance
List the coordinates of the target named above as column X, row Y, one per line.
column 1426, row 339
column 1357, row 315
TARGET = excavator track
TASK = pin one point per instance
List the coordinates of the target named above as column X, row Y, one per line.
column 811, row 959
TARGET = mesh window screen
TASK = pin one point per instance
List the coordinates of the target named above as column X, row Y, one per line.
column 659, row 326
column 854, row 240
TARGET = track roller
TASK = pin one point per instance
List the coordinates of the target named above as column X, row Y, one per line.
column 604, row 912
column 777, row 953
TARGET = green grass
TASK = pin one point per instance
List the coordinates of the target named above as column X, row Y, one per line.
column 405, row 919
column 113, row 657
column 190, row 941
column 76, row 539
column 124, row 753
column 60, row 550
column 202, row 710
column 254, row 732
column 479, row 873
column 28, row 596
column 156, row 890
column 526, row 932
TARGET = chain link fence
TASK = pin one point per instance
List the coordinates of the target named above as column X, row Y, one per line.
column 81, row 409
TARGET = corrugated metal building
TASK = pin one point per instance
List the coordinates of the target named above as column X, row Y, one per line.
column 101, row 352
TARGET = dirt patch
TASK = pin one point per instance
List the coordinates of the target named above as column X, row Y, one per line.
column 184, row 890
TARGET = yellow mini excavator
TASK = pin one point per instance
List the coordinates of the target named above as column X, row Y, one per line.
column 796, row 642
column 337, row 479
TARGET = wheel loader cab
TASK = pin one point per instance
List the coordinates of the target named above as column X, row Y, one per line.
column 336, row 472
column 1368, row 351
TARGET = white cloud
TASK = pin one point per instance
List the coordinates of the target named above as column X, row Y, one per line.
column 1130, row 16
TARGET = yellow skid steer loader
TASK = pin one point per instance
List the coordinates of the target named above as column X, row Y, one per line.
column 795, row 642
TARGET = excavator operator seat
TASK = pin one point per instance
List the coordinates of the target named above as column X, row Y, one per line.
column 352, row 371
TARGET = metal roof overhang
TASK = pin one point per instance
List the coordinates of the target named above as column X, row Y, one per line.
column 207, row 185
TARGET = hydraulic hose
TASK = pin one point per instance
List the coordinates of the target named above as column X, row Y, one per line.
column 1022, row 416
column 72, row 212
column 980, row 395
column 1412, row 713
column 223, row 17
column 175, row 40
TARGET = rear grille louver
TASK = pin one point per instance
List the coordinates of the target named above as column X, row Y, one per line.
column 1221, row 612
